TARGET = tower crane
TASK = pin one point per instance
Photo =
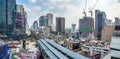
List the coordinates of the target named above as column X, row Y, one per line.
column 91, row 10
column 84, row 9
column 91, row 19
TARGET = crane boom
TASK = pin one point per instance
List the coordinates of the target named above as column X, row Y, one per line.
column 94, row 5
column 84, row 9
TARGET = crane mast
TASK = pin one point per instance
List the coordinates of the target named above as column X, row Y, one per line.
column 91, row 19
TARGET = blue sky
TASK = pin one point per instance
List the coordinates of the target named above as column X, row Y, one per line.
column 72, row 10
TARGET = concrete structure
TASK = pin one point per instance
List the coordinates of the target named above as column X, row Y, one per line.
column 96, row 50
column 71, row 31
column 7, row 16
column 21, row 19
column 108, row 56
column 35, row 25
column 115, row 43
column 85, row 27
column 72, row 44
column 45, row 30
column 47, row 20
column 27, row 29
column 117, row 21
column 107, row 33
column 60, row 24
column 76, row 35
column 50, row 21
column 100, row 18
column 43, row 21
column 73, row 28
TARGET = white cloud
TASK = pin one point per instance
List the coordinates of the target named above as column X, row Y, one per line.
column 32, row 1
column 113, row 11
column 72, row 10
column 33, row 13
column 37, row 8
column 56, row 1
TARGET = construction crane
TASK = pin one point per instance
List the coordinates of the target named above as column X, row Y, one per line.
column 90, row 10
column 84, row 9
column 91, row 19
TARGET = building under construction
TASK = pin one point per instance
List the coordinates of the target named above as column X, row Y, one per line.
column 85, row 27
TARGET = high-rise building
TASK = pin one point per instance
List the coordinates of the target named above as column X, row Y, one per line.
column 47, row 20
column 25, row 22
column 73, row 28
column 50, row 19
column 100, row 18
column 117, row 21
column 35, row 25
column 21, row 18
column 60, row 24
column 7, row 16
column 85, row 27
column 43, row 21
column 46, row 30
column 27, row 29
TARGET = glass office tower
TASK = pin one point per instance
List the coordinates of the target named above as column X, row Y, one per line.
column 7, row 16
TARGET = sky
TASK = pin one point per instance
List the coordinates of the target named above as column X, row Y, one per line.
column 72, row 10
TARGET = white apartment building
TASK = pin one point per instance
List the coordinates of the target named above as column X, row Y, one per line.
column 103, row 51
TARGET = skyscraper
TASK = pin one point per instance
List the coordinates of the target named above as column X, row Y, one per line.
column 100, row 18
column 50, row 19
column 21, row 18
column 35, row 25
column 7, row 16
column 85, row 27
column 43, row 21
column 73, row 28
column 60, row 24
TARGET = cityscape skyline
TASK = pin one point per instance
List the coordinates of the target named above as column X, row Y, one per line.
column 59, row 29
column 70, row 9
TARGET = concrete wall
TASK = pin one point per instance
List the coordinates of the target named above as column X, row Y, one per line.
column 107, row 32
column 108, row 56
